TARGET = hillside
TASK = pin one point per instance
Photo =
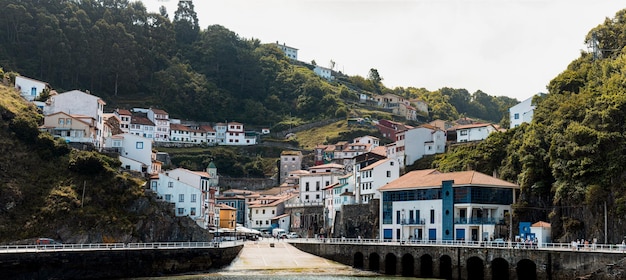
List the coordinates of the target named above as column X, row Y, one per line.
column 49, row 190
column 570, row 161
column 133, row 58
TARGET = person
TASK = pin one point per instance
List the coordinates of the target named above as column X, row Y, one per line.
column 573, row 245
column 623, row 245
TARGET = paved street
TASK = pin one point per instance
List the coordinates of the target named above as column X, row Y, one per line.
column 284, row 259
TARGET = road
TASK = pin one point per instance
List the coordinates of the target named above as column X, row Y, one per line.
column 259, row 257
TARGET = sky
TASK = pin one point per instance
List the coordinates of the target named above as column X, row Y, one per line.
column 502, row 47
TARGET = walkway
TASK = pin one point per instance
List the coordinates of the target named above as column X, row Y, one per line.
column 260, row 258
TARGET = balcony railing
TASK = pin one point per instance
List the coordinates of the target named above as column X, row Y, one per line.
column 475, row 221
column 413, row 221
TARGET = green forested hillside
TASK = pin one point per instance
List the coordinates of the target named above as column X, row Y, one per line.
column 132, row 58
column 49, row 190
column 570, row 161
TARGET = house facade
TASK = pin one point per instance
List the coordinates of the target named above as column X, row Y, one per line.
column 135, row 152
column 187, row 198
column 423, row 140
column 125, row 117
column 30, row 89
column 289, row 161
column 227, row 216
column 142, row 126
column 76, row 102
column 522, row 113
column 474, row 132
column 373, row 177
column 323, row 72
column 290, row 52
column 429, row 205
column 74, row 129
column 161, row 120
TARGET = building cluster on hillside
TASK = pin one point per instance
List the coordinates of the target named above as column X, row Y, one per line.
column 419, row 205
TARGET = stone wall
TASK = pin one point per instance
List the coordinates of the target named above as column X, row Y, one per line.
column 457, row 262
column 114, row 263
column 252, row 184
column 358, row 220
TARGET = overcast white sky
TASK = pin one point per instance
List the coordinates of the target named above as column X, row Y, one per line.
column 502, row 47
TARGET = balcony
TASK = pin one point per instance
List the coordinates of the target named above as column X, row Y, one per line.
column 412, row 221
column 475, row 221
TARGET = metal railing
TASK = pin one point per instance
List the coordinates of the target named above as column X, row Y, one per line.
column 610, row 248
column 115, row 246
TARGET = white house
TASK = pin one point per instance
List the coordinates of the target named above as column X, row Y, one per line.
column 542, row 231
column 76, row 102
column 430, row 205
column 342, row 194
column 319, row 177
column 207, row 181
column 161, row 120
column 521, row 113
column 323, row 72
column 187, row 198
column 135, row 152
column 367, row 139
column 179, row 133
column 373, row 177
column 423, row 140
column 235, row 134
column 125, row 117
column 142, row 126
column 211, row 134
column 29, row 88
column 265, row 210
column 220, row 133
column 474, row 132
column 290, row 52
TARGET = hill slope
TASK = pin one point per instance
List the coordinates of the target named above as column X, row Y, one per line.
column 42, row 183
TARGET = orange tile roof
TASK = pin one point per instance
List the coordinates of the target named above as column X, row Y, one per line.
column 431, row 178
column 371, row 166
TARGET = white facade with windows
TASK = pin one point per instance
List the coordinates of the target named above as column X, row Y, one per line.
column 142, row 126
column 474, row 132
column 76, row 102
column 312, row 184
column 374, row 176
column 323, row 72
column 521, row 113
column 135, row 152
column 289, row 51
column 187, row 199
column 161, row 120
column 29, row 88
column 421, row 141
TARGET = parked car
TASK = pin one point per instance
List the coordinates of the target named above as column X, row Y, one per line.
column 293, row 235
column 46, row 241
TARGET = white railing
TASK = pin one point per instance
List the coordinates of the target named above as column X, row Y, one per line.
column 115, row 246
column 612, row 248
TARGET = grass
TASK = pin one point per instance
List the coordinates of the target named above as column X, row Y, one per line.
column 310, row 138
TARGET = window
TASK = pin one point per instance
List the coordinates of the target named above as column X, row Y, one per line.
column 192, row 212
column 68, row 121
column 181, row 211
column 257, row 211
column 306, row 186
column 388, row 174
column 139, row 145
column 463, row 132
column 263, row 211
column 306, row 197
column 391, row 163
column 517, row 116
column 317, row 186
column 168, row 197
column 273, row 211
column 61, row 121
column 181, row 198
column 170, row 184
column 317, row 196
column 193, row 198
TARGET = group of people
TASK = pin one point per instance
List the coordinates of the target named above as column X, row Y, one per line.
column 584, row 244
